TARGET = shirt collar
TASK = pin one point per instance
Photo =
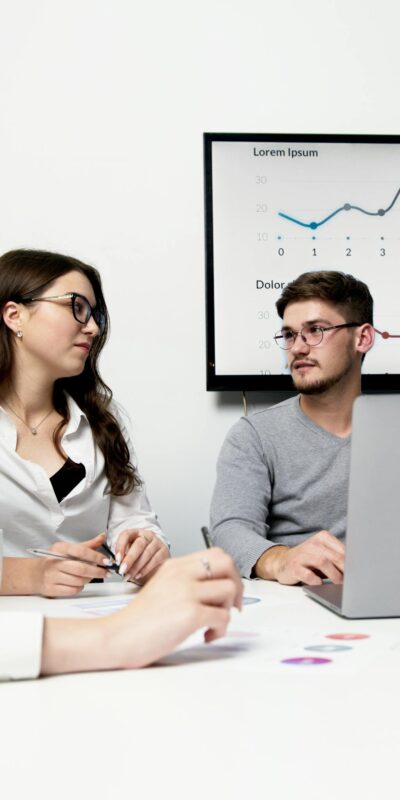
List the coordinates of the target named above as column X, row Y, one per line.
column 76, row 416
column 8, row 430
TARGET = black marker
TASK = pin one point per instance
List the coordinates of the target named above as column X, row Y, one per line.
column 206, row 536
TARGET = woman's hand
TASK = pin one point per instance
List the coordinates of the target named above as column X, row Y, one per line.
column 185, row 594
column 59, row 578
column 139, row 553
column 188, row 593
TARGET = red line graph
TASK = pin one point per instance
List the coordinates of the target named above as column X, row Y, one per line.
column 386, row 335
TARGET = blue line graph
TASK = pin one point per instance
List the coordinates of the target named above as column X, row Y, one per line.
column 346, row 207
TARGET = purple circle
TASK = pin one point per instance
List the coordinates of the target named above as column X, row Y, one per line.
column 306, row 661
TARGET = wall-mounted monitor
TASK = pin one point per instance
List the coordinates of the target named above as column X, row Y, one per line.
column 277, row 206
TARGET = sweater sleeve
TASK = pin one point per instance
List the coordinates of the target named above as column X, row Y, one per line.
column 239, row 508
column 20, row 644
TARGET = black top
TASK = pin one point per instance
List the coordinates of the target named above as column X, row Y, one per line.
column 66, row 478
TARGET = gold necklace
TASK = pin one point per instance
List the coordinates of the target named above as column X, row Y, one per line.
column 35, row 428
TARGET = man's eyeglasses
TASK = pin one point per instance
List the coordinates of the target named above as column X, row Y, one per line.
column 80, row 306
column 310, row 334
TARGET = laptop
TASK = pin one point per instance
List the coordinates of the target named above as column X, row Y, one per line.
column 371, row 586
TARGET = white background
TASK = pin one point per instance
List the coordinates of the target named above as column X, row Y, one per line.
column 102, row 108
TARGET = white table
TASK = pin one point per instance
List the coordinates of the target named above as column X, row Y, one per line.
column 227, row 721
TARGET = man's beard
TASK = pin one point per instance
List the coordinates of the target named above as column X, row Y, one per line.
column 324, row 384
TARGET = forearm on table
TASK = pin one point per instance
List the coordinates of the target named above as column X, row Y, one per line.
column 20, row 576
column 84, row 645
column 76, row 645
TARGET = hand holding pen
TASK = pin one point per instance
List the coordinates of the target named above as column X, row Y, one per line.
column 72, row 566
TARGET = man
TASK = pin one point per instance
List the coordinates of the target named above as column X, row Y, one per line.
column 280, row 501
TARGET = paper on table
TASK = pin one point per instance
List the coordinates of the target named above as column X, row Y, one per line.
column 101, row 606
column 264, row 652
column 253, row 646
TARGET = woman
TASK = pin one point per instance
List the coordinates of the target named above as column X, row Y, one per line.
column 67, row 468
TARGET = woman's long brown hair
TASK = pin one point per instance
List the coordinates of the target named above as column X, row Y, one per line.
column 26, row 273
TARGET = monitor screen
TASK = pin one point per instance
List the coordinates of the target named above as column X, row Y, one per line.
column 277, row 206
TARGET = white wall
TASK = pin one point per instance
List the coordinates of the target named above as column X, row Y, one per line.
column 102, row 108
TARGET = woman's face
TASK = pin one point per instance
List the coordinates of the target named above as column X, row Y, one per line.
column 52, row 339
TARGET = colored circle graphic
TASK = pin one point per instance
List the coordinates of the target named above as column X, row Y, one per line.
column 306, row 661
column 328, row 648
column 347, row 636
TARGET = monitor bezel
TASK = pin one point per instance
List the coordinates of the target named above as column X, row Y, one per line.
column 217, row 382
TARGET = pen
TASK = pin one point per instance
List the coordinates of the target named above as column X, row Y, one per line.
column 37, row 551
column 111, row 555
column 206, row 536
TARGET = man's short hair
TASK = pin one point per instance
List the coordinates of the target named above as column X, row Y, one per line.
column 350, row 296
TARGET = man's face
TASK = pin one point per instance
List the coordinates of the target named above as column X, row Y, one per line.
column 314, row 370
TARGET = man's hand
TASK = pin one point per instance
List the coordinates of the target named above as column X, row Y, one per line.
column 321, row 556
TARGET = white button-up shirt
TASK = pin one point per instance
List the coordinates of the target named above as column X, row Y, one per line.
column 30, row 514
column 21, row 636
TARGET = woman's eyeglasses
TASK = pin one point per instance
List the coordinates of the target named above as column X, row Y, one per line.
column 80, row 306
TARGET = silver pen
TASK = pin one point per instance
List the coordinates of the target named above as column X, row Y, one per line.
column 113, row 567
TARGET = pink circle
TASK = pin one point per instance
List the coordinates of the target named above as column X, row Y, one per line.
column 306, row 661
column 348, row 636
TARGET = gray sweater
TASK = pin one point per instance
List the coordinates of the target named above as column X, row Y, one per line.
column 280, row 479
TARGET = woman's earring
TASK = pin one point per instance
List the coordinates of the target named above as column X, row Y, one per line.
column 19, row 334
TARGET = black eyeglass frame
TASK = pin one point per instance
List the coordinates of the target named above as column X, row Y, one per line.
column 98, row 316
column 321, row 328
